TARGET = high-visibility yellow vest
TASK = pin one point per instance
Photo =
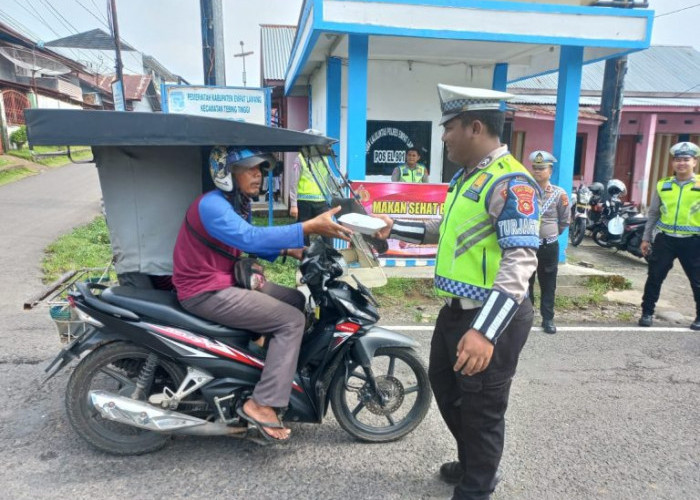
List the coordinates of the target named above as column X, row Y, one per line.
column 680, row 206
column 307, row 189
column 469, row 254
column 413, row 174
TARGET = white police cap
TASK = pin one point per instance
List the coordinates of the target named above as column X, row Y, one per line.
column 542, row 158
column 457, row 100
column 685, row 150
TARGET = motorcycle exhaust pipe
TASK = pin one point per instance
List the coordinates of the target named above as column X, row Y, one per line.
column 145, row 416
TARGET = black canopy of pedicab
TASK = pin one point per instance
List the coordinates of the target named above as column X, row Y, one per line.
column 68, row 127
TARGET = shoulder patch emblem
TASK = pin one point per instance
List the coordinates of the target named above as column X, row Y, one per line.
column 525, row 194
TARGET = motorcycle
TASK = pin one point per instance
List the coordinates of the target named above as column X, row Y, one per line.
column 580, row 207
column 620, row 227
column 149, row 370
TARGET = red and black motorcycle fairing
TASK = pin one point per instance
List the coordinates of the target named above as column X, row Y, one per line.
column 341, row 338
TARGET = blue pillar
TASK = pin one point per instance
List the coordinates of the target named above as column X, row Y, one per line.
column 333, row 76
column 357, row 106
column 565, row 125
column 500, row 77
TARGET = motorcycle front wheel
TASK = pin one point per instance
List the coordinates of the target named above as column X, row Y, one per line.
column 578, row 231
column 403, row 382
column 601, row 236
column 115, row 368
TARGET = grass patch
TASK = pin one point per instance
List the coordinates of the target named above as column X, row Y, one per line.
column 401, row 291
column 625, row 316
column 4, row 161
column 597, row 287
column 85, row 246
column 79, row 153
column 14, row 174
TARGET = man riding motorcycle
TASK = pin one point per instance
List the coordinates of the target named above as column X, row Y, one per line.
column 207, row 275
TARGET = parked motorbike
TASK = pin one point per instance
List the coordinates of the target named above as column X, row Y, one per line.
column 630, row 238
column 586, row 210
column 580, row 207
column 152, row 370
column 620, row 225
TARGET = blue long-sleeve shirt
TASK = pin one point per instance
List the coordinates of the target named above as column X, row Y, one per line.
column 224, row 224
column 197, row 268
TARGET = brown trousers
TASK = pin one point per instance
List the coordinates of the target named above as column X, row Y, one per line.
column 274, row 311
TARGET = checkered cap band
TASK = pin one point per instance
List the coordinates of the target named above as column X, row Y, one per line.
column 461, row 289
column 457, row 105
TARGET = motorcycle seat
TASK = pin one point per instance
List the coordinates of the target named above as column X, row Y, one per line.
column 163, row 305
column 636, row 219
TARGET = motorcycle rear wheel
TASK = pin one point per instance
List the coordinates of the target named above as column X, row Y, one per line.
column 578, row 231
column 401, row 377
column 115, row 367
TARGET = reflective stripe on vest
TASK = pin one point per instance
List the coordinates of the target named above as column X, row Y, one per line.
column 469, row 255
column 412, row 175
column 680, row 206
column 307, row 189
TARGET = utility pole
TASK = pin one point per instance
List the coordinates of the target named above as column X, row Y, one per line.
column 114, row 26
column 610, row 108
column 243, row 55
column 213, row 42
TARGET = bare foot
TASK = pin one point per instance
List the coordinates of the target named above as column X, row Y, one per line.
column 260, row 341
column 265, row 414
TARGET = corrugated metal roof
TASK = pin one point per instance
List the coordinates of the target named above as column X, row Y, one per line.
column 595, row 101
column 276, row 46
column 658, row 69
column 545, row 109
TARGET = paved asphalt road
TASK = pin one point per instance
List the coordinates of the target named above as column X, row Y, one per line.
column 593, row 414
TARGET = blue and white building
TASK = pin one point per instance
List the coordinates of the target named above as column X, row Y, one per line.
column 382, row 60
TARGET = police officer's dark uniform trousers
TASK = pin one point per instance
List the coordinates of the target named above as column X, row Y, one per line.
column 474, row 407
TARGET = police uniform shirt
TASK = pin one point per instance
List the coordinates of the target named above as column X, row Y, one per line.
column 554, row 213
column 517, row 263
column 654, row 213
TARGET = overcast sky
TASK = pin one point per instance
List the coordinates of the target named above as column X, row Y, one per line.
column 170, row 30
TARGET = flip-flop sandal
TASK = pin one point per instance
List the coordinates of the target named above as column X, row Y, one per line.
column 260, row 426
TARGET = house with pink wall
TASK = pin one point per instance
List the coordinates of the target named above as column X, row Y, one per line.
column 661, row 106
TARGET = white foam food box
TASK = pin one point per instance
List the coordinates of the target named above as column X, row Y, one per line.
column 362, row 223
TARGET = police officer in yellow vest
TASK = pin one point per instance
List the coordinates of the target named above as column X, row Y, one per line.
column 487, row 244
column 675, row 212
column 306, row 200
column 411, row 171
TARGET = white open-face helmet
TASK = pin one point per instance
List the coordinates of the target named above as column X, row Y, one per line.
column 616, row 187
column 223, row 159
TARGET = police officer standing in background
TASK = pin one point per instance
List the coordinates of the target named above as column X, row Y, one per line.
column 411, row 171
column 675, row 211
column 554, row 219
column 306, row 200
column 488, row 239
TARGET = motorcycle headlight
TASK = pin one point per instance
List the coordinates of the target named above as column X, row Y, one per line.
column 584, row 197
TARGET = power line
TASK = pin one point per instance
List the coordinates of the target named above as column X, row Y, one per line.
column 41, row 19
column 677, row 11
column 686, row 91
column 101, row 21
column 22, row 29
column 97, row 9
column 37, row 15
column 62, row 20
